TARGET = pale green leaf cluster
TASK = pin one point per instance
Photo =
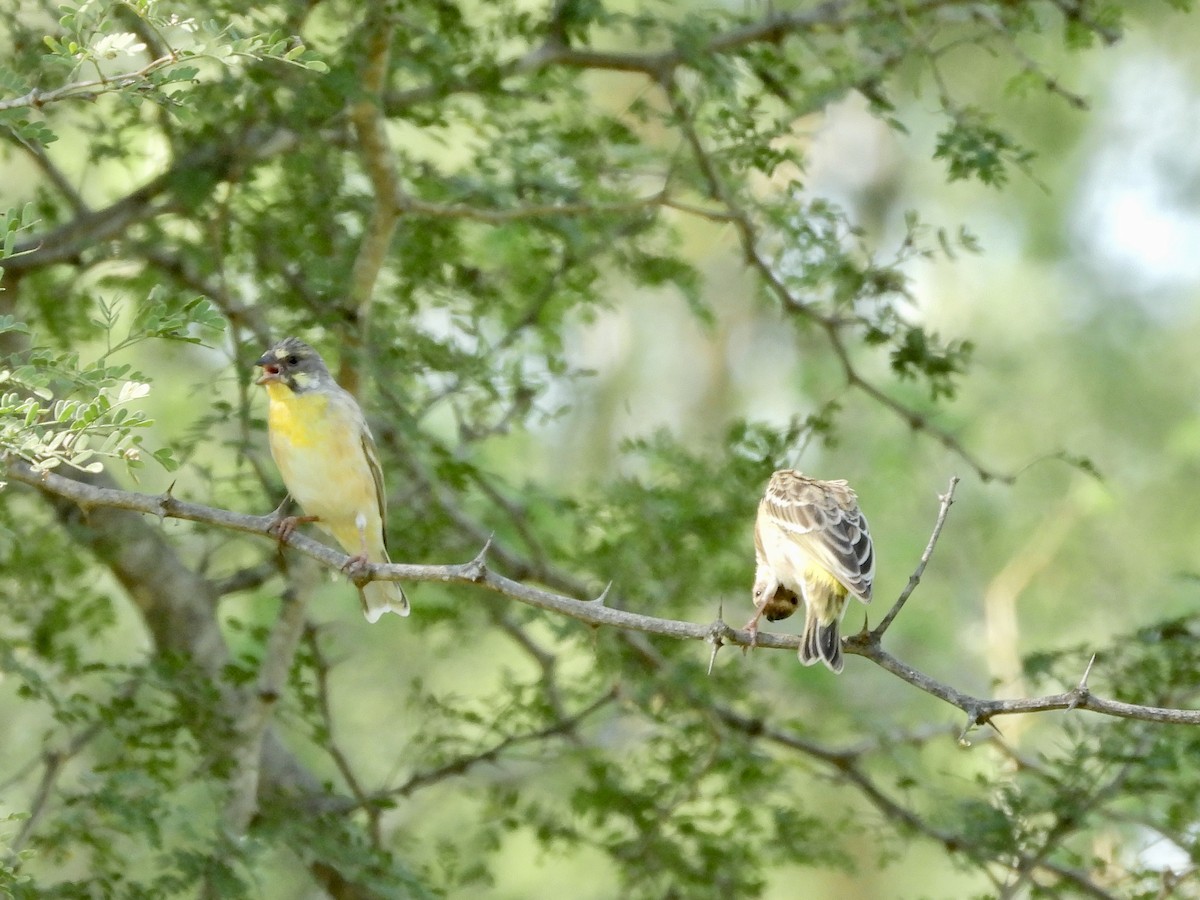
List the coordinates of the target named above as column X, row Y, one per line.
column 55, row 412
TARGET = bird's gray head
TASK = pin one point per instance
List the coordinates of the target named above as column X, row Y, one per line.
column 293, row 363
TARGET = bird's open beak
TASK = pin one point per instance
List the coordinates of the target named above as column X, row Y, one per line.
column 271, row 370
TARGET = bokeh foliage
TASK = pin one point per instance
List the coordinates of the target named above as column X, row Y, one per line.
column 187, row 182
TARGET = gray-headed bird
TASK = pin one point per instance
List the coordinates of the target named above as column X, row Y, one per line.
column 324, row 450
column 811, row 540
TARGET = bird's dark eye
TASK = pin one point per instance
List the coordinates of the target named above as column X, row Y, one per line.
column 293, row 360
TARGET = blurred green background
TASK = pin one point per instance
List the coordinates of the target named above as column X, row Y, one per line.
column 607, row 391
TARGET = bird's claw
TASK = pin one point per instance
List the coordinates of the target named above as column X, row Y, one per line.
column 357, row 566
column 752, row 629
column 284, row 526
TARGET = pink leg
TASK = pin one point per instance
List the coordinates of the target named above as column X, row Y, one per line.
column 282, row 526
column 752, row 625
column 360, row 562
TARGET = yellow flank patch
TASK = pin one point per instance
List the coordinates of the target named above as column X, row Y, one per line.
column 295, row 418
column 818, row 575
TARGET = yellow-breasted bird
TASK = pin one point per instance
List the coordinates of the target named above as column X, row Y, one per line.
column 811, row 540
column 326, row 455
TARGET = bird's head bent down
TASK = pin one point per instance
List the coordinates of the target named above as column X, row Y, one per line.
column 780, row 605
column 294, row 364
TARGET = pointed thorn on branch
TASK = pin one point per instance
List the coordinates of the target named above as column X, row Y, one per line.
column 1081, row 690
column 476, row 569
column 1083, row 682
column 481, row 556
column 717, row 644
column 716, row 636
column 164, row 501
column 975, row 718
column 599, row 601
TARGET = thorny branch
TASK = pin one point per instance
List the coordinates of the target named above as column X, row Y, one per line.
column 868, row 644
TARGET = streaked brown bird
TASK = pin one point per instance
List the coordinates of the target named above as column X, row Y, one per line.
column 324, row 450
column 812, row 541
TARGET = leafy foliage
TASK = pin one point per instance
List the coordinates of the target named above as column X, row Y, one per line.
column 55, row 411
column 973, row 148
column 490, row 249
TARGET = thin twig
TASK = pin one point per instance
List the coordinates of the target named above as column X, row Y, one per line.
column 946, row 500
column 459, row 766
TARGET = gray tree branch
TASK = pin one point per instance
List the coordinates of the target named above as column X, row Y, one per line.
column 93, row 499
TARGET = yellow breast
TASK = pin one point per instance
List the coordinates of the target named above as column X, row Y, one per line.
column 317, row 443
column 294, row 418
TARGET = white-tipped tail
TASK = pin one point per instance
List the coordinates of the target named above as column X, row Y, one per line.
column 380, row 597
